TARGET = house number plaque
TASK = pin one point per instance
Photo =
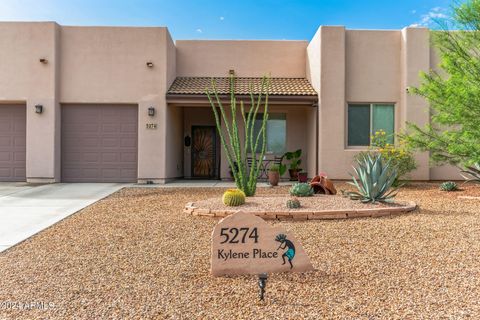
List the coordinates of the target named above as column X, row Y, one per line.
column 245, row 244
column 151, row 126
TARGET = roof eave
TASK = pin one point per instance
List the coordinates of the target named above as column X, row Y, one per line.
column 280, row 99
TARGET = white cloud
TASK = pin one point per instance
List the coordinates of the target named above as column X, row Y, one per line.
column 199, row 30
column 222, row 18
column 413, row 11
column 428, row 19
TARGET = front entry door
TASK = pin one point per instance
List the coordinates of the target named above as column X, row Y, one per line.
column 204, row 156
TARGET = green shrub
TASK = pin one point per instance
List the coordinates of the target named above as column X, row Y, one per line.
column 233, row 197
column 375, row 180
column 301, row 190
column 449, row 186
column 274, row 168
column 293, row 203
column 401, row 158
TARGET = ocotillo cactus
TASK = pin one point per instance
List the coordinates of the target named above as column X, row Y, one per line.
column 245, row 177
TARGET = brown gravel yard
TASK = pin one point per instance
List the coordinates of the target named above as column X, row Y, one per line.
column 277, row 203
column 136, row 255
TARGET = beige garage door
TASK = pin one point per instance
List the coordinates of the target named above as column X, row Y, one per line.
column 99, row 143
column 12, row 142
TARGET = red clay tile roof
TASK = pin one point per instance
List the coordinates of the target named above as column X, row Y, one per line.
column 278, row 86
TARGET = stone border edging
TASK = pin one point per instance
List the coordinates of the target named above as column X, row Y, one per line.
column 305, row 214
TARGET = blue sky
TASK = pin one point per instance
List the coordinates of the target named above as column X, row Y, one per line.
column 230, row 19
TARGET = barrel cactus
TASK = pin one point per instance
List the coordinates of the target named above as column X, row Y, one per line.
column 233, row 197
column 301, row 190
column 449, row 186
column 293, row 203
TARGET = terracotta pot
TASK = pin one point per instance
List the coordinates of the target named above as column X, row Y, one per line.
column 293, row 174
column 302, row 177
column 273, row 177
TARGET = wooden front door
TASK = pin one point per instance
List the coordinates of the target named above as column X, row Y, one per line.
column 204, row 156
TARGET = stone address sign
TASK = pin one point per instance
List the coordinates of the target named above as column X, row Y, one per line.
column 243, row 243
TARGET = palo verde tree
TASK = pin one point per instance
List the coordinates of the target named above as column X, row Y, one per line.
column 237, row 150
column 453, row 136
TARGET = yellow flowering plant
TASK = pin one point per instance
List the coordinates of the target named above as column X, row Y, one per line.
column 399, row 155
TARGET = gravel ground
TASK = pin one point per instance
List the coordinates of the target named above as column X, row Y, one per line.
column 136, row 255
column 277, row 203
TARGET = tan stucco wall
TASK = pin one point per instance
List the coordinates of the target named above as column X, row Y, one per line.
column 204, row 58
column 24, row 79
column 108, row 65
column 372, row 66
column 367, row 66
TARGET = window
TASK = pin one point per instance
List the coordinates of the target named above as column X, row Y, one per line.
column 276, row 132
column 365, row 119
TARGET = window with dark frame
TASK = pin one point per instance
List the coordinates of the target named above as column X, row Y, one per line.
column 364, row 119
column 276, row 132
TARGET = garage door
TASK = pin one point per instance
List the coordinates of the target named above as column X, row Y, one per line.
column 99, row 143
column 12, row 142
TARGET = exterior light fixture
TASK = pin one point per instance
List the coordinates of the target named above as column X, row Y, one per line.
column 150, row 64
column 188, row 141
column 38, row 108
column 262, row 283
column 151, row 111
column 43, row 60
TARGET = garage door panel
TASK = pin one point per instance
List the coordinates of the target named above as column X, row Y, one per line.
column 110, row 128
column 5, row 141
column 128, row 128
column 12, row 142
column 19, row 172
column 99, row 143
column 125, row 173
column 128, row 142
column 5, row 156
column 128, row 157
column 110, row 143
column 110, row 157
column 19, row 156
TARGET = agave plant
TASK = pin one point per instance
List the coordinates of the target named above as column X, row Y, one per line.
column 472, row 173
column 375, row 180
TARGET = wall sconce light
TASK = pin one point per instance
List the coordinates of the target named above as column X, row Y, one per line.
column 150, row 64
column 188, row 141
column 38, row 108
column 151, row 111
column 43, row 60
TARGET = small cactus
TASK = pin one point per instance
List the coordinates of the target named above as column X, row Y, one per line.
column 233, row 197
column 293, row 203
column 301, row 190
column 449, row 186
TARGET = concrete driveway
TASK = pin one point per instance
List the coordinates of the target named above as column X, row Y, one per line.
column 27, row 209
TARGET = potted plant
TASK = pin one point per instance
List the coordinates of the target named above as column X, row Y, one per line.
column 295, row 161
column 274, row 174
column 302, row 176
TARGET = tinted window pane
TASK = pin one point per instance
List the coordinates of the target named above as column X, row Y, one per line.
column 359, row 125
column 384, row 119
column 276, row 132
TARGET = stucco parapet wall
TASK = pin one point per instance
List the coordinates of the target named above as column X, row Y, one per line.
column 192, row 209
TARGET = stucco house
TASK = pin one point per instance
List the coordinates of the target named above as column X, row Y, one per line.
column 128, row 104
